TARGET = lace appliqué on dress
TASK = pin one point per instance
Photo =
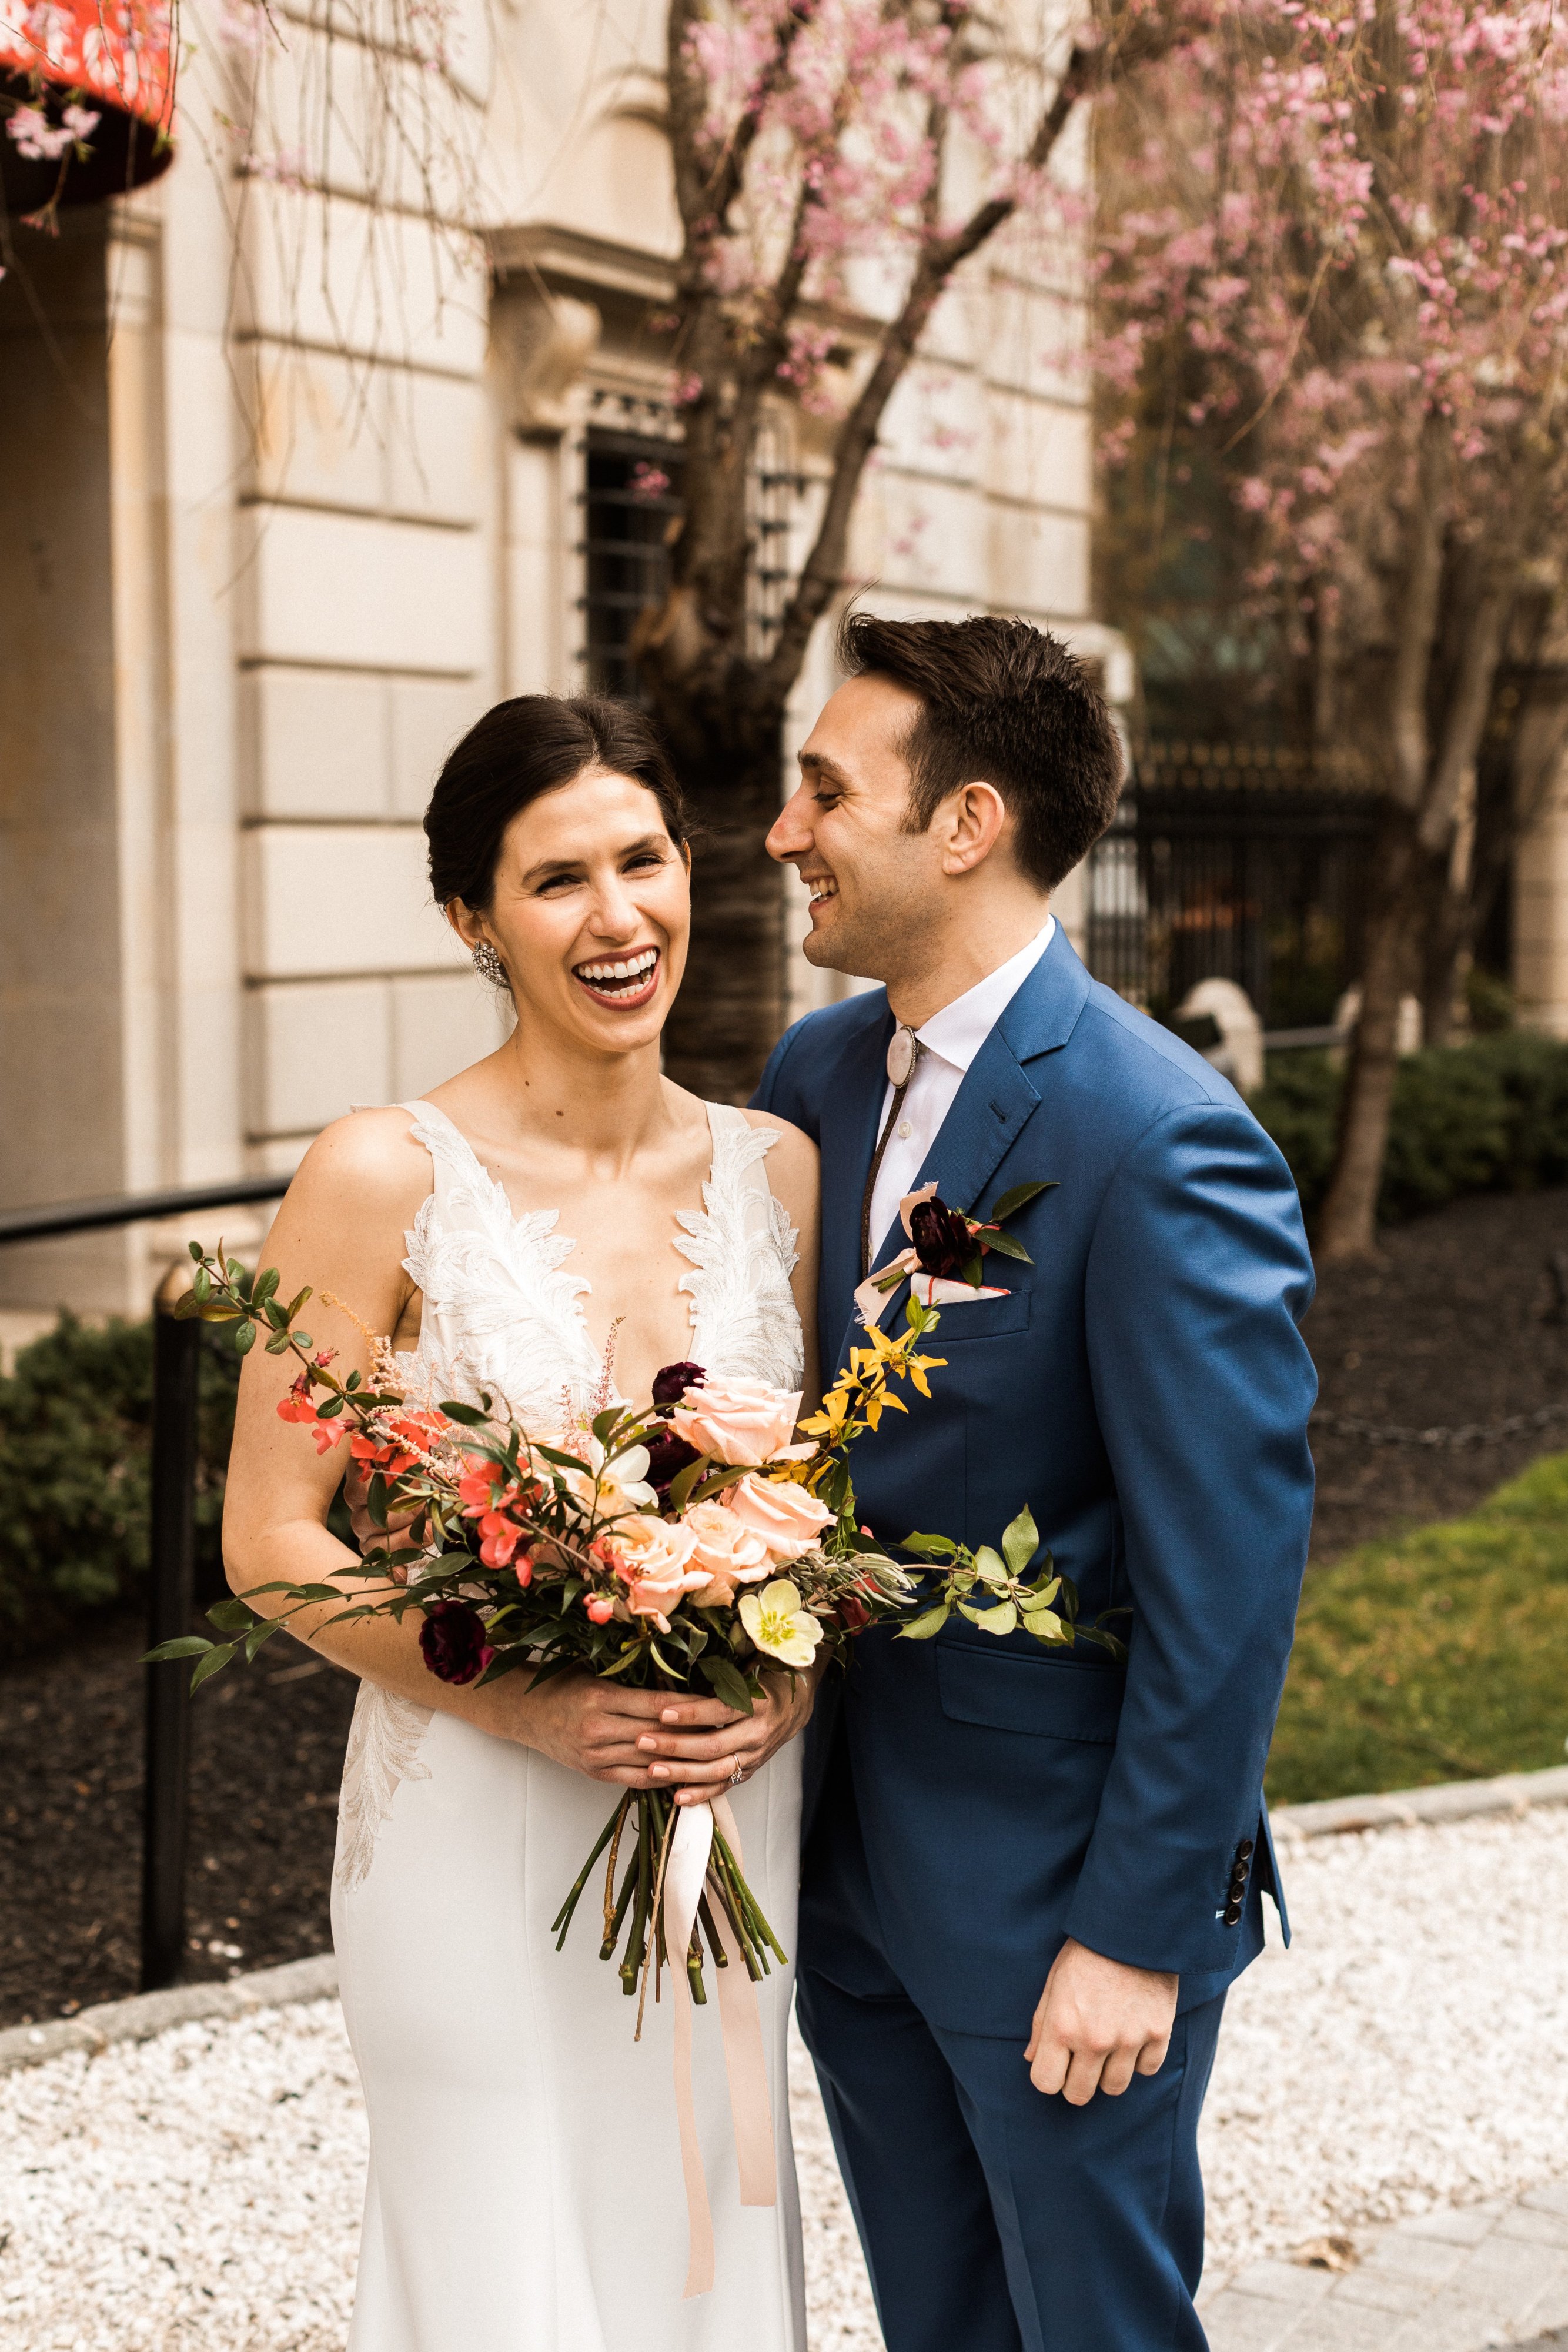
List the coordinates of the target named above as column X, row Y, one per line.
column 741, row 1245
column 383, row 1752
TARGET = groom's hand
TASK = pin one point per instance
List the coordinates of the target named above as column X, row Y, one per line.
column 1097, row 2024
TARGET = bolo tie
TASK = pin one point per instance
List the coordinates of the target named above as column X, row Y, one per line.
column 903, row 1052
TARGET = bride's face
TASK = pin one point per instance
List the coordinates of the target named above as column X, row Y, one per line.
column 590, row 912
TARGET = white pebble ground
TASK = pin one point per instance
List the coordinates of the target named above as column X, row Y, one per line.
column 1411, row 2051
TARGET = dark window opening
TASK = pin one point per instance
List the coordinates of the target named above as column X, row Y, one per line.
column 631, row 498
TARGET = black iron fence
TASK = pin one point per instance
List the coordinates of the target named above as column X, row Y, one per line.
column 172, row 1596
column 1236, row 862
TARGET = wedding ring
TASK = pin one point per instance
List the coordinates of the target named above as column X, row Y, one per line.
column 738, row 1775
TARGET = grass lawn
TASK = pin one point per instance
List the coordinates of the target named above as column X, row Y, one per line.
column 1441, row 1656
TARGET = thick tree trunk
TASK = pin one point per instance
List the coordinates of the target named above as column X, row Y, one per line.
column 1347, row 1229
column 730, row 1010
column 1445, row 953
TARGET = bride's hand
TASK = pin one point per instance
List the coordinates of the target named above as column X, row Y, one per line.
column 594, row 1727
column 698, row 1763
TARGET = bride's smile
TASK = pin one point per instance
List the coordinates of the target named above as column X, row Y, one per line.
column 589, row 913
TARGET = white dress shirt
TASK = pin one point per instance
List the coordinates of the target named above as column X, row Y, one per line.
column 950, row 1042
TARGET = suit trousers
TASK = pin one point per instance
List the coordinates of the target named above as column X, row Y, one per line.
column 994, row 2220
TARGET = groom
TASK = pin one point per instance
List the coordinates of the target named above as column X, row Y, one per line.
column 1029, row 1877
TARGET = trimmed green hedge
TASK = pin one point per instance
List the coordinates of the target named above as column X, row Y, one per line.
column 76, row 1420
column 1488, row 1117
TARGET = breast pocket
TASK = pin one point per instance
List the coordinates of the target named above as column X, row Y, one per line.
column 1048, row 1698
column 981, row 1319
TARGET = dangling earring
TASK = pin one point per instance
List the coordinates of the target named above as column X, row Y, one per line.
column 489, row 965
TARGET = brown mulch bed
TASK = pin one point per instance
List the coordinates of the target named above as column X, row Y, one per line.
column 1456, row 1327
column 267, row 1753
column 1459, row 1327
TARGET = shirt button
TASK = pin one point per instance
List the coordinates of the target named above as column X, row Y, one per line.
column 904, row 1131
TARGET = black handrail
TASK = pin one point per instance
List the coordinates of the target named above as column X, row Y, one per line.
column 170, row 1599
column 135, row 1208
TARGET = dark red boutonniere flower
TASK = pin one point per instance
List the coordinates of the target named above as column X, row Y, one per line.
column 671, row 1384
column 668, row 1455
column 452, row 1639
column 941, row 1238
column 944, row 1263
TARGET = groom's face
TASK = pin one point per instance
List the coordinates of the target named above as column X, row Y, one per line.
column 872, row 883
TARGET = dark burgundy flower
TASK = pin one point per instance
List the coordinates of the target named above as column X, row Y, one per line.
column 941, row 1239
column 668, row 1455
column 452, row 1640
column 671, row 1385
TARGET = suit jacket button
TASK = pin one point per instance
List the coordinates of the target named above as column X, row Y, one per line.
column 1238, row 1878
column 1244, row 1850
column 1232, row 1912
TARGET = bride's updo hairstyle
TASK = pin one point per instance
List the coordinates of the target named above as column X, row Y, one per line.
column 533, row 744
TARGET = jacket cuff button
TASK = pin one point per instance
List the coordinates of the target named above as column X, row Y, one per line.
column 1232, row 1912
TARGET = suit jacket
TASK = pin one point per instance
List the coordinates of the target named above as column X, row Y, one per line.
column 1144, row 1389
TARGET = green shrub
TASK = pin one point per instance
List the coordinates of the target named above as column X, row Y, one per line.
column 1490, row 1116
column 76, row 1420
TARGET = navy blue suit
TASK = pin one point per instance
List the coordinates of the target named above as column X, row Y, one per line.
column 972, row 1803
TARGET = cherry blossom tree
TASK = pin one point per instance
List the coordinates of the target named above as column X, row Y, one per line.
column 837, row 163
column 1338, row 241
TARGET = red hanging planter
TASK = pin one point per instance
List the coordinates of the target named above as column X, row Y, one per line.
column 86, row 100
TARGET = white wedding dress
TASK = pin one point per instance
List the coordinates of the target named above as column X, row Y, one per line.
column 525, row 2191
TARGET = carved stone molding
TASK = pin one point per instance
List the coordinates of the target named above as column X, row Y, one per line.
column 540, row 346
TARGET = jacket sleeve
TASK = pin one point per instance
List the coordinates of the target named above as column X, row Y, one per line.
column 780, row 1088
column 1198, row 1275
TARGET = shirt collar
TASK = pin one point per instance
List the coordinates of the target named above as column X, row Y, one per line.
column 957, row 1033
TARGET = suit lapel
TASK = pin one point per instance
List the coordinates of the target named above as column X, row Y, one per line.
column 997, row 1099
column 847, row 1138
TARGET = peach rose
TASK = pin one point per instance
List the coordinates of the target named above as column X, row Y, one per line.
column 731, row 1552
column 783, row 1513
column 652, row 1557
column 741, row 1422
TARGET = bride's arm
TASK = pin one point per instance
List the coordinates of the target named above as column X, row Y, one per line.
column 340, row 1228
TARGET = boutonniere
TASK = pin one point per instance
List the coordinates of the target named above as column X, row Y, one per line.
column 945, row 1262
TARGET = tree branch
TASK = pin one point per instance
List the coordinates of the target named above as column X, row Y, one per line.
column 823, row 571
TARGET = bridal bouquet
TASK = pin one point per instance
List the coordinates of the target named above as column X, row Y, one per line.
column 686, row 1548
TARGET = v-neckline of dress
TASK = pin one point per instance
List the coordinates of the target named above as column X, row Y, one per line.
column 533, row 1226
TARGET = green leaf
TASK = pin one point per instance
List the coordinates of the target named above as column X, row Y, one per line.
column 1004, row 1246
column 261, row 1633
column 188, row 1645
column 1020, row 1541
column 727, row 1682
column 303, row 1340
column 231, row 1617
column 186, row 1305
column 465, row 1415
column 274, row 1314
column 267, row 1282
column 278, row 1344
column 376, row 1500
column 604, row 1422
column 297, row 1303
column 213, row 1664
column 682, row 1482
column 197, row 1251
column 990, row 1567
column 244, row 1338
column 217, row 1311
column 1046, row 1625
column 930, row 1547
column 1001, row 1619
column 1018, row 1197
column 333, row 1404
column 203, row 1285
column 352, row 1381
column 929, row 1621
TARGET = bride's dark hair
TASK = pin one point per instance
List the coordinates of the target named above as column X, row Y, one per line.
column 533, row 744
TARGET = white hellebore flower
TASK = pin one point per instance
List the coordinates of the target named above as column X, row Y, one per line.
column 778, row 1625
column 609, row 1493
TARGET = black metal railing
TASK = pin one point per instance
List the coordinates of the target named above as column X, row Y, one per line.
column 172, row 1583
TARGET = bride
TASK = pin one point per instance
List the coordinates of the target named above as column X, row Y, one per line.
column 558, row 1207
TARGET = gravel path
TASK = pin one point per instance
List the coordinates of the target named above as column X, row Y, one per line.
column 203, row 2189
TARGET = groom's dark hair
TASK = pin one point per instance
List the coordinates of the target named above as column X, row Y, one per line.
column 1006, row 705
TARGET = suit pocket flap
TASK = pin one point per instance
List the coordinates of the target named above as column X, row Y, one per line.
column 1048, row 1698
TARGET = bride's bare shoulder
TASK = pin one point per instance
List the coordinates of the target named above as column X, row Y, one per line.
column 792, row 1162
column 369, row 1159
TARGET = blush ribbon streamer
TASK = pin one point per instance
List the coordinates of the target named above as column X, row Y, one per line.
column 740, row 2023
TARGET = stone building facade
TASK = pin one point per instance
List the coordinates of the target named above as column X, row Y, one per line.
column 291, row 488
